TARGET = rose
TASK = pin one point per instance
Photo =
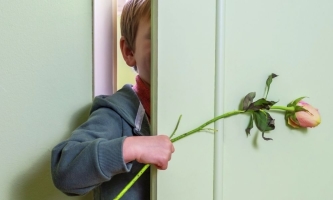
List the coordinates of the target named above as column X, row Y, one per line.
column 298, row 114
column 305, row 115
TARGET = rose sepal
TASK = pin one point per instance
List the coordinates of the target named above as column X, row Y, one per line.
column 295, row 102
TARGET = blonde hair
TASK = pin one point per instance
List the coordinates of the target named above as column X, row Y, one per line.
column 133, row 12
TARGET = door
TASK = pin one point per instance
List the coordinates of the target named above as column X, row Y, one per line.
column 207, row 56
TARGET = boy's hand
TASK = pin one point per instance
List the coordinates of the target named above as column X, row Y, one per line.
column 154, row 150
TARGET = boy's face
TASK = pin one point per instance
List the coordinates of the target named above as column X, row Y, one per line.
column 142, row 50
column 140, row 57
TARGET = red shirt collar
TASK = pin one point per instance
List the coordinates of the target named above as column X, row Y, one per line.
column 143, row 92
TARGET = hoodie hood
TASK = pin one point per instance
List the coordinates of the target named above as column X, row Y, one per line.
column 127, row 104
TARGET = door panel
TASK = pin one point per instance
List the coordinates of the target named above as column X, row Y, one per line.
column 290, row 38
column 186, row 70
column 294, row 40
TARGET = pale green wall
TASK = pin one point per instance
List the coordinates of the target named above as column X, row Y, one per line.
column 45, row 89
column 294, row 40
column 290, row 38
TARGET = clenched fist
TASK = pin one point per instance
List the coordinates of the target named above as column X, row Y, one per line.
column 154, row 150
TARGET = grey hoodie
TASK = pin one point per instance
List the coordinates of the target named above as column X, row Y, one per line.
column 92, row 159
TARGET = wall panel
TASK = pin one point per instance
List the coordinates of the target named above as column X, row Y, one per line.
column 294, row 40
column 45, row 90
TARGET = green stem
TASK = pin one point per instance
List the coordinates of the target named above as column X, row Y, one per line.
column 199, row 128
column 174, row 131
column 132, row 182
column 291, row 109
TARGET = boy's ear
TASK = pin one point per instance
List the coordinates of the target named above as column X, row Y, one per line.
column 127, row 52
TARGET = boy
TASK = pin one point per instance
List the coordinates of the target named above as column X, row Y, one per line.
column 108, row 150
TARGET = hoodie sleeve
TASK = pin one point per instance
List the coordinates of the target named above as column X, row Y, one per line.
column 92, row 155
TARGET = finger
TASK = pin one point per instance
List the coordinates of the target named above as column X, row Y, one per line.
column 173, row 149
column 164, row 167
